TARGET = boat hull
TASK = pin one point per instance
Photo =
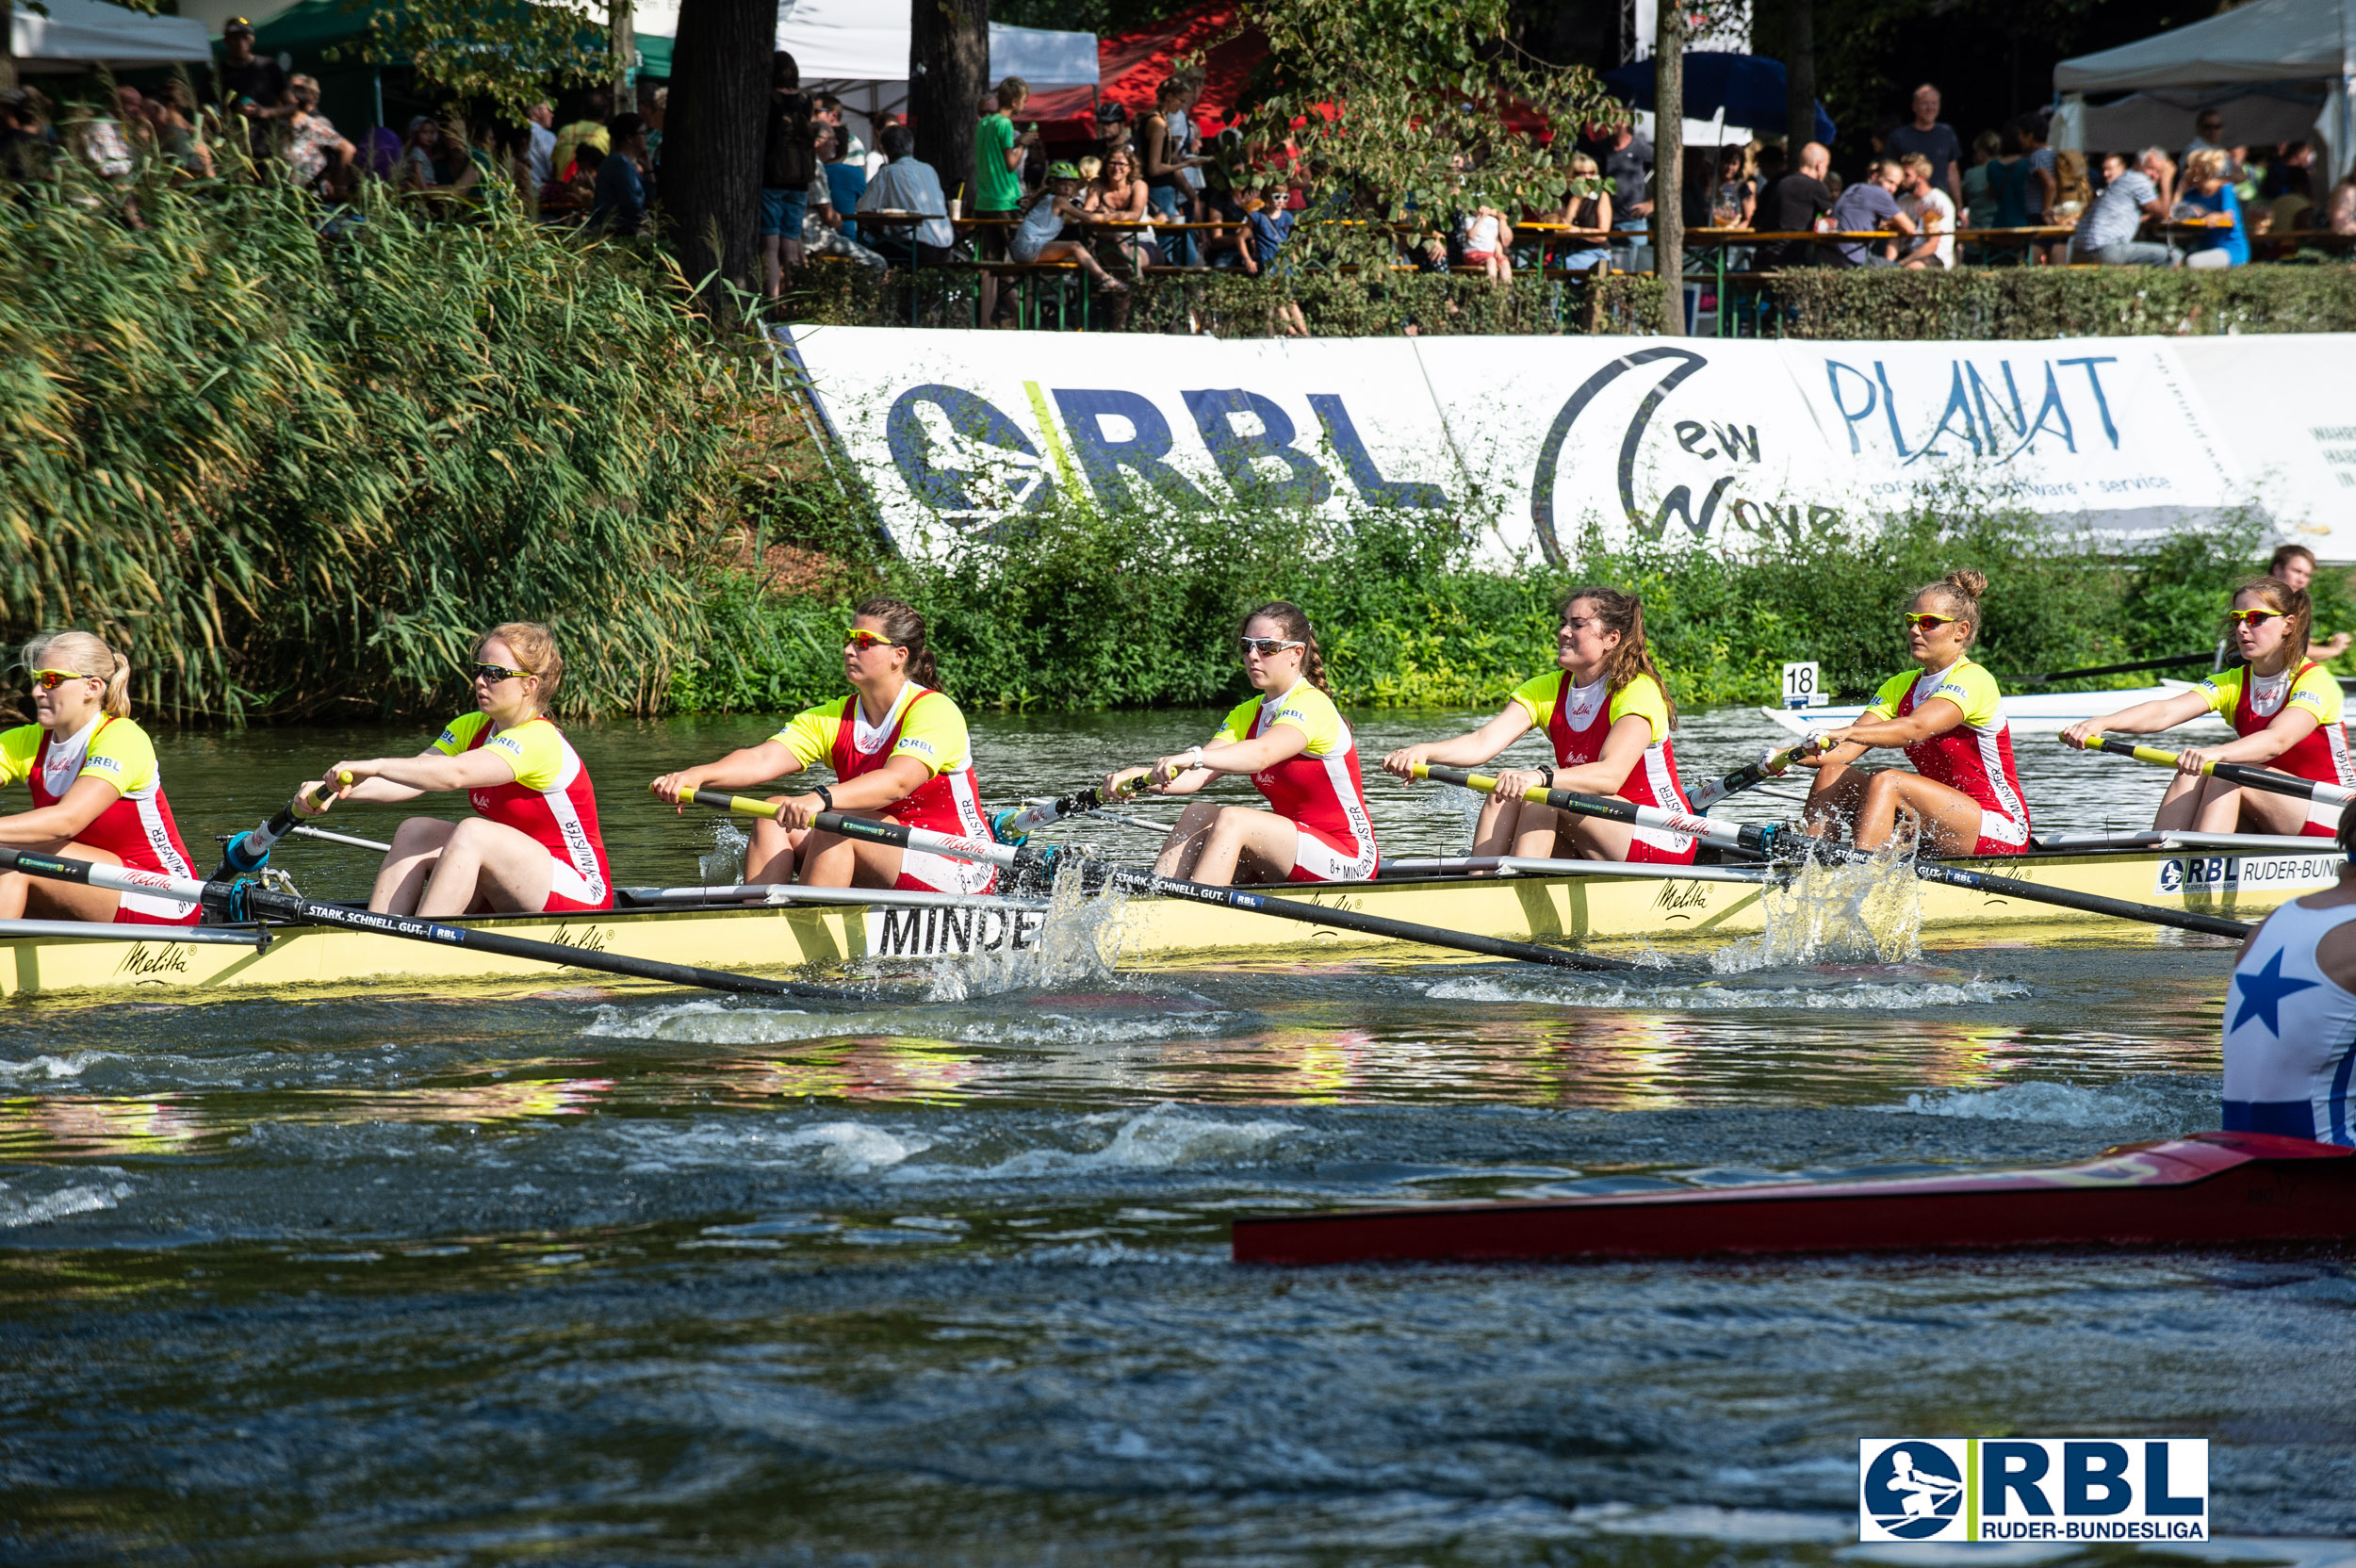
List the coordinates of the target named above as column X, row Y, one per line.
column 2206, row 1190
column 1600, row 908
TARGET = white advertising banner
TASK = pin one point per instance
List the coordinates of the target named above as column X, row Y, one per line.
column 1690, row 442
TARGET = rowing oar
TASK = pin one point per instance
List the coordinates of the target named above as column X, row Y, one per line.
column 1710, row 791
column 239, row 900
column 248, row 852
column 2232, row 772
column 1128, row 881
column 1768, row 839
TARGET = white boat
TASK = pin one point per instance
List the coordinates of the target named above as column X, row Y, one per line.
column 2043, row 714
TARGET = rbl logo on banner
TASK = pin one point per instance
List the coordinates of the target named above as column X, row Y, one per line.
column 2032, row 1489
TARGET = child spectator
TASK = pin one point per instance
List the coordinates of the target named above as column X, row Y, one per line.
column 1038, row 236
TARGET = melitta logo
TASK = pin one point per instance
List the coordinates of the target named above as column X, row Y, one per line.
column 2032, row 1489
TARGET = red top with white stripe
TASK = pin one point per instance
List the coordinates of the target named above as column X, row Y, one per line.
column 137, row 829
column 1975, row 757
column 1318, row 787
column 551, row 799
column 2252, row 702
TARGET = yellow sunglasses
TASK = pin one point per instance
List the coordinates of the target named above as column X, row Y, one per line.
column 1924, row 620
column 2250, row 618
column 49, row 680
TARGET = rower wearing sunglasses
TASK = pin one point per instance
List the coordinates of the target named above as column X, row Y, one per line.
column 899, row 751
column 1946, row 716
column 98, row 792
column 2284, row 707
column 1606, row 712
column 532, row 845
column 1301, row 755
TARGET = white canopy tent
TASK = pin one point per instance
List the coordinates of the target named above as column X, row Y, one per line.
column 80, row 33
column 2242, row 63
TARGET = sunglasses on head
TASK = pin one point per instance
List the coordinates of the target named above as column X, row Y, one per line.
column 49, row 680
column 1266, row 648
column 2251, row 617
column 1923, row 620
column 497, row 673
column 863, row 639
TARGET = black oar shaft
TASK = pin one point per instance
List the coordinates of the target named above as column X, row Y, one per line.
column 2232, row 772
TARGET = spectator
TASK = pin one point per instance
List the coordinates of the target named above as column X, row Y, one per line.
column 828, row 110
column 620, row 206
column 511, row 162
column 1112, row 128
column 788, row 161
column 1980, row 195
column 1935, row 139
column 1166, row 161
column 250, row 84
column 1268, row 224
column 2339, row 208
column 438, row 157
column 1700, row 187
column 1798, row 204
column 999, row 152
column 1117, row 196
column 1733, row 203
column 2106, row 234
column 2043, row 167
column 1038, row 235
column 822, row 223
column 172, row 113
column 588, row 131
column 846, row 181
column 1934, row 213
column 101, row 138
column 1586, row 217
column 1768, row 166
column 2295, row 565
column 1869, row 204
column 2208, row 194
column 654, row 109
column 908, row 184
column 1487, row 238
column 25, row 149
column 2012, row 184
column 1626, row 159
column 2289, row 188
column 542, row 119
column 2208, row 136
column 322, row 160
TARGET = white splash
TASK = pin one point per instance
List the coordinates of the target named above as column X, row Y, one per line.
column 1081, row 942
column 1870, row 910
column 1162, row 1138
column 1841, row 996
column 2071, row 1104
column 830, row 1148
column 721, row 1023
column 54, row 1068
column 17, row 1210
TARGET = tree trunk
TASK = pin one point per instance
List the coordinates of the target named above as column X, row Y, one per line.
column 1668, row 164
column 624, row 46
column 7, row 43
column 711, row 142
column 948, row 73
column 1799, row 77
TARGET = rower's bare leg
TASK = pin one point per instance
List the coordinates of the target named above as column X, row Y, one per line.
column 1833, row 801
column 1596, row 839
column 23, row 897
column 1500, row 824
column 2256, row 811
column 400, row 880
column 1187, row 836
column 769, row 850
column 829, row 860
column 2180, row 807
column 1246, row 845
column 1945, row 821
column 488, row 865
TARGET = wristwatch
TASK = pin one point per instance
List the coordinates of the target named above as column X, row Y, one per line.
column 825, row 796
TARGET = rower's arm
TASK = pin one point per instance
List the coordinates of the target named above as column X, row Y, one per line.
column 1262, row 751
column 1935, row 717
column 1624, row 746
column 79, row 806
column 427, row 773
column 1468, row 750
column 738, row 770
column 2290, row 727
column 2144, row 718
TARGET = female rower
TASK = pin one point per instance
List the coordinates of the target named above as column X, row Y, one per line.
column 2284, row 707
column 532, row 845
column 2290, row 1016
column 98, row 794
column 1607, row 713
column 1965, row 798
column 899, row 751
column 1301, row 757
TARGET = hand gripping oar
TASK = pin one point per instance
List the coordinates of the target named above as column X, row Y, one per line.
column 243, row 853
column 1013, row 827
column 2232, row 772
column 238, row 901
column 1710, row 791
column 1169, row 886
column 1769, row 840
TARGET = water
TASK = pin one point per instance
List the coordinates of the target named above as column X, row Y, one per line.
column 940, row 1277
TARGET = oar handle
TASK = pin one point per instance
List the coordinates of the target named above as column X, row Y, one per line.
column 1537, row 794
column 2117, row 747
column 2231, row 773
column 744, row 805
column 246, row 853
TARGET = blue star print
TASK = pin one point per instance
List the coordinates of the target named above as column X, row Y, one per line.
column 2262, row 995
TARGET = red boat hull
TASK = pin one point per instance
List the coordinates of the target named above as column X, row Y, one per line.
column 2207, row 1189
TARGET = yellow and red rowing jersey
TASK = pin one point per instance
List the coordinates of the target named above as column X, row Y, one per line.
column 1318, row 787
column 551, row 801
column 2252, row 702
column 137, row 830
column 1974, row 757
column 1576, row 719
column 924, row 724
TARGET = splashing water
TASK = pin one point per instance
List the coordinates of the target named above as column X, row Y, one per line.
column 723, row 865
column 1869, row 910
column 1081, row 942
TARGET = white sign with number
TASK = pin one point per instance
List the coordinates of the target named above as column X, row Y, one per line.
column 1800, row 685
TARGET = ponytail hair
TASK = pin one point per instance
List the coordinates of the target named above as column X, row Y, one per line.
column 1960, row 591
column 2298, row 609
column 85, row 653
column 534, row 648
column 1294, row 622
column 905, row 627
column 1625, row 614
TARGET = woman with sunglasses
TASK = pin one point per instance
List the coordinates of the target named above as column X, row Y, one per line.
column 1965, row 797
column 532, row 845
column 899, row 752
column 1606, row 712
column 98, row 792
column 2284, row 707
column 1301, row 757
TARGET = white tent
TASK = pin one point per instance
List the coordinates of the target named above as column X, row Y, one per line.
column 77, row 33
column 858, row 49
column 2243, row 57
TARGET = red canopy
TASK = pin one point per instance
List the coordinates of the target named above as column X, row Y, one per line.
column 1132, row 66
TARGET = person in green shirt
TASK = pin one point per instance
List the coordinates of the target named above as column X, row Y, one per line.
column 998, row 154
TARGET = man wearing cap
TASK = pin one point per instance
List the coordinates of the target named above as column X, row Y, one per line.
column 251, row 85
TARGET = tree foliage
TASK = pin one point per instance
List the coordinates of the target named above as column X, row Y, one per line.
column 505, row 51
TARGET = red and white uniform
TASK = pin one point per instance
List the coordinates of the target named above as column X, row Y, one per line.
column 924, row 723
column 551, row 801
column 1317, row 789
column 1974, row 757
column 137, row 830
column 2252, row 702
column 1576, row 720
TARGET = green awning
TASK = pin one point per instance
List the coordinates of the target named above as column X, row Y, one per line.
column 316, row 24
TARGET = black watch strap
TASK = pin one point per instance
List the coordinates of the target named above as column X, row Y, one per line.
column 825, row 796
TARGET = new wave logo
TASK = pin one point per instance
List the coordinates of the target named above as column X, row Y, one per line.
column 1913, row 1491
